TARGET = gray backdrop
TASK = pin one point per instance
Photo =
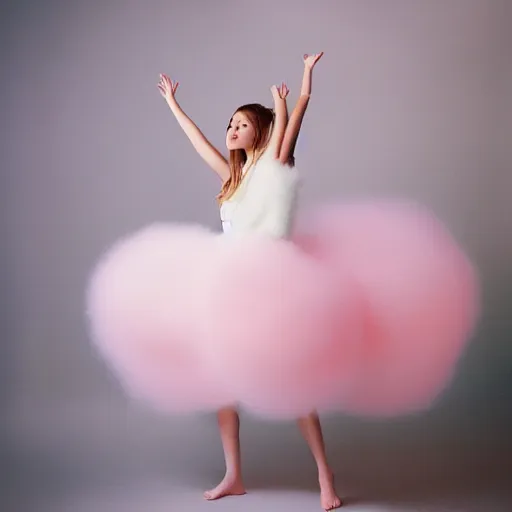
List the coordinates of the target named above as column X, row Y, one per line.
column 411, row 98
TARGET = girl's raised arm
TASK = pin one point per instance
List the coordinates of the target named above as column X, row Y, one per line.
column 205, row 149
column 294, row 124
column 281, row 118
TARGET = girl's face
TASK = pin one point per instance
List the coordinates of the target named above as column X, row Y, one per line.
column 241, row 133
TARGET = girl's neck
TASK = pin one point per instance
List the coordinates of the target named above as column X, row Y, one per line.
column 250, row 159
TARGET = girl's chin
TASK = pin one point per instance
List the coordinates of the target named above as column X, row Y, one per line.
column 232, row 147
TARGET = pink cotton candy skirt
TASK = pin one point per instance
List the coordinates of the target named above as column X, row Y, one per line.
column 365, row 310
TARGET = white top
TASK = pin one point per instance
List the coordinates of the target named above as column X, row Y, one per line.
column 264, row 201
column 227, row 208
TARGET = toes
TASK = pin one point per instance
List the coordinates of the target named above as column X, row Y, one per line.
column 332, row 505
column 209, row 495
column 336, row 504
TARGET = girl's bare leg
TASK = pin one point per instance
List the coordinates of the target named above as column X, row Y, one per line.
column 312, row 431
column 232, row 484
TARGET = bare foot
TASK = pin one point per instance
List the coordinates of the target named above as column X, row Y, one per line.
column 328, row 497
column 230, row 486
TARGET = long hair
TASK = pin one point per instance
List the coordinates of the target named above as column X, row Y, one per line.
column 262, row 119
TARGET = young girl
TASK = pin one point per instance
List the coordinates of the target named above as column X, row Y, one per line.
column 255, row 136
column 363, row 307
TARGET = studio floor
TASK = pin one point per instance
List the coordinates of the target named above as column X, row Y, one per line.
column 119, row 459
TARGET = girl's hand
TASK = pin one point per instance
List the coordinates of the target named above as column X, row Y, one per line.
column 311, row 60
column 167, row 87
column 280, row 92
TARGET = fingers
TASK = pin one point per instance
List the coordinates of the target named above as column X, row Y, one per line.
column 162, row 85
column 283, row 90
column 280, row 90
column 166, row 85
column 311, row 60
column 276, row 91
